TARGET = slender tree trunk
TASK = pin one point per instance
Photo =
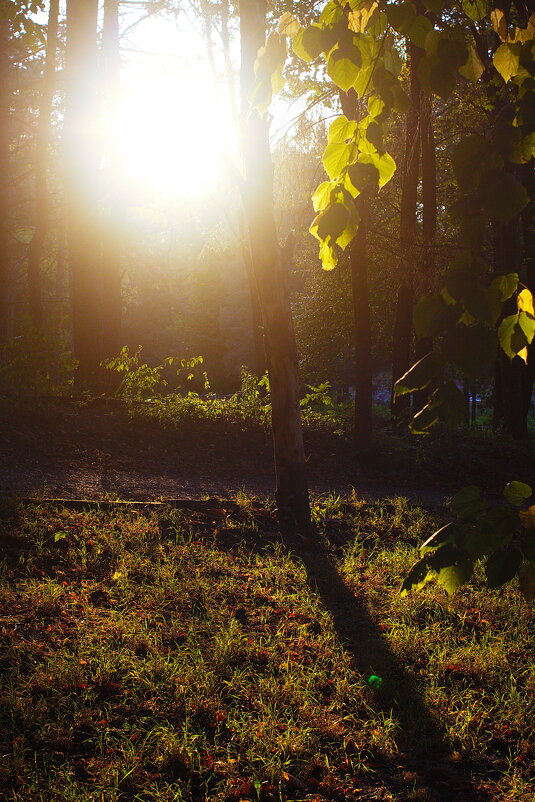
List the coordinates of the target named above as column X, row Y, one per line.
column 259, row 341
column 112, row 205
column 82, row 185
column 361, row 310
column 5, row 115
column 429, row 225
column 35, row 253
column 291, row 490
column 401, row 346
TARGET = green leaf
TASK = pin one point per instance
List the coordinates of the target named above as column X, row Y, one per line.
column 452, row 51
column 341, row 129
column 467, row 502
column 471, row 349
column 469, row 158
column 421, row 375
column 342, row 70
column 363, row 176
column 419, row 29
column 375, row 106
column 502, row 565
column 322, row 196
column 526, row 321
column 432, row 316
column 511, row 336
column 332, row 13
column 446, row 404
column 517, row 493
column 505, row 285
column 401, row 16
column 445, row 534
column 417, row 577
column 507, row 59
column 308, row 43
column 374, row 134
column 331, row 222
column 384, row 163
column 473, row 68
column 453, row 566
column 336, row 156
column 502, row 196
column 476, row 10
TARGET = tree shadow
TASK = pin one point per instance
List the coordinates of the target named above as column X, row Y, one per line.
column 424, row 753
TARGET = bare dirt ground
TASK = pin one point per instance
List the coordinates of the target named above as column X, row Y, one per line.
column 95, row 450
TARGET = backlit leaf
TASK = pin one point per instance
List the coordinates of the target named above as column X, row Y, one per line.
column 517, row 493
column 308, row 43
column 505, row 285
column 341, row 129
column 322, row 196
column 474, row 68
column 337, row 155
column 343, row 70
column 507, row 60
column 525, row 302
column 288, row 25
column 421, row 374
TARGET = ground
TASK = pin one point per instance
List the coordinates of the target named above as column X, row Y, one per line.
column 73, row 450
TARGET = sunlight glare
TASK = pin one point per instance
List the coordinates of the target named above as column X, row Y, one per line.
column 171, row 125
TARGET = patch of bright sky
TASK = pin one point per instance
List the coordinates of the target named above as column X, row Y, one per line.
column 175, row 130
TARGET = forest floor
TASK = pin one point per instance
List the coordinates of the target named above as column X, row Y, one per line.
column 102, row 449
column 177, row 655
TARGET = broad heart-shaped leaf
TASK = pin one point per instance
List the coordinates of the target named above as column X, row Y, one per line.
column 467, row 502
column 453, row 565
column 512, row 336
column 469, row 159
column 502, row 196
column 332, row 221
column 474, row 68
column 447, row 404
column 496, row 529
column 505, row 285
column 422, row 374
column 401, row 16
column 526, row 581
column 507, row 60
column 417, row 577
column 471, row 349
column 419, row 29
column 331, row 13
column 308, row 42
column 433, row 316
column 336, row 156
column 288, row 25
column 446, row 534
column 341, row 129
column 374, row 134
column 502, row 565
column 517, row 493
column 328, row 256
column 342, row 69
column 384, row 163
column 322, row 196
column 476, row 10
column 363, row 176
column 526, row 321
column 525, row 302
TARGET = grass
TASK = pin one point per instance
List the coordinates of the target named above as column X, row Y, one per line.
column 195, row 655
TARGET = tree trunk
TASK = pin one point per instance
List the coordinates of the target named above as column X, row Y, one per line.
column 401, row 347
column 358, row 258
column 291, row 490
column 429, row 227
column 35, row 252
column 5, row 115
column 82, row 185
column 513, row 378
column 110, row 268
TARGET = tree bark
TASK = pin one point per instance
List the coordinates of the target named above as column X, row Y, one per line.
column 429, row 226
column 35, row 253
column 5, row 116
column 363, row 417
column 401, row 346
column 267, row 264
column 110, row 268
column 82, row 185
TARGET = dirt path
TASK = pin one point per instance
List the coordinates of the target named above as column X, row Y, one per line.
column 96, row 450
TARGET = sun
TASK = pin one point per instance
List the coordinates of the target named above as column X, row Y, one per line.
column 173, row 129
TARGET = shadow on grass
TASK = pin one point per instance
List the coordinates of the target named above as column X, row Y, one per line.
column 424, row 754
